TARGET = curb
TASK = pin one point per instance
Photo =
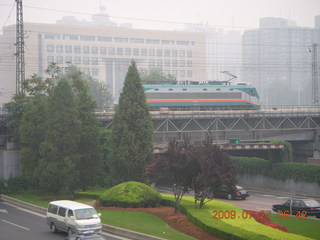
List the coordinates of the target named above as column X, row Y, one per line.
column 105, row 228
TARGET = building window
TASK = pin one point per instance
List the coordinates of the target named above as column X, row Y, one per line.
column 137, row 40
column 152, row 63
column 182, row 42
column 144, row 52
column 87, row 38
column 112, row 50
column 59, row 59
column 182, row 63
column 182, row 73
column 151, row 52
column 167, row 63
column 77, row 60
column 85, row 49
column 174, row 63
column 121, row 40
column 167, row 52
column 159, row 52
column 59, row 49
column 120, row 51
column 68, row 48
column 174, row 53
column 189, row 53
column 128, row 51
column 69, row 59
column 94, row 61
column 86, row 70
column 182, row 53
column 167, row 42
column 153, row 41
column 159, row 63
column 86, row 61
column 50, row 48
column 174, row 73
column 77, row 49
column 105, row 39
column 50, row 59
column 70, row 37
column 103, row 50
column 189, row 74
column 94, row 50
column 136, row 52
column 94, row 71
column 189, row 63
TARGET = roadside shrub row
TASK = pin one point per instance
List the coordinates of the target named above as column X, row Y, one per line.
column 228, row 229
column 251, row 165
column 285, row 170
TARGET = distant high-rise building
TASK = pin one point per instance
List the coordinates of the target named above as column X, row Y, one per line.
column 102, row 49
column 278, row 60
column 223, row 51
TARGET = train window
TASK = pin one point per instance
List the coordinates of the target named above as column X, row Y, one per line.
column 170, row 89
column 218, row 89
column 184, row 89
column 205, row 89
column 231, row 89
column 156, row 89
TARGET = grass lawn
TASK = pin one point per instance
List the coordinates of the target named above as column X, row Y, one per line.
column 305, row 227
column 141, row 222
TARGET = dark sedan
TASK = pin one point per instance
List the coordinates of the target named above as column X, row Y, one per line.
column 236, row 192
column 307, row 207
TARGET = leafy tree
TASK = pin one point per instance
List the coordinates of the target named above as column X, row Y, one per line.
column 32, row 131
column 214, row 169
column 89, row 148
column 178, row 166
column 59, row 151
column 156, row 75
column 132, row 132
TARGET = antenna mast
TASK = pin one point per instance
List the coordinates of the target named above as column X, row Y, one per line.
column 20, row 65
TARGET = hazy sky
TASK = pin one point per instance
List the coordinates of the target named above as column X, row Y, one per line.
column 167, row 14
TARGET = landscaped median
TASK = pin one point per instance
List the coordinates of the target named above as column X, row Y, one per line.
column 241, row 227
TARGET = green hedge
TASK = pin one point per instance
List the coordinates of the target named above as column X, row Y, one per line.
column 297, row 171
column 228, row 229
column 251, row 166
column 130, row 194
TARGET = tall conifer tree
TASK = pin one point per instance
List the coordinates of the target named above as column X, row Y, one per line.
column 132, row 132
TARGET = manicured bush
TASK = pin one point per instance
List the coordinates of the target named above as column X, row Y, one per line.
column 251, row 165
column 297, row 171
column 130, row 194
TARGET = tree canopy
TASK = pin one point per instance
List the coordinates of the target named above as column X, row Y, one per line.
column 132, row 132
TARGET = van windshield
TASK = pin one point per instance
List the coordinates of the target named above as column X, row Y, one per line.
column 86, row 213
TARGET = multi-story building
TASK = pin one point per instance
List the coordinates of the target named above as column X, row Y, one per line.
column 103, row 50
column 277, row 58
column 223, row 51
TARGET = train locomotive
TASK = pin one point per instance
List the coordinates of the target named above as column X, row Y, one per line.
column 202, row 97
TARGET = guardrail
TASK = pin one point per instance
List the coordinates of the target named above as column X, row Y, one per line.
column 105, row 228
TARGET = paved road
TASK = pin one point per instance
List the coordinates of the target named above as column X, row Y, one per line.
column 16, row 224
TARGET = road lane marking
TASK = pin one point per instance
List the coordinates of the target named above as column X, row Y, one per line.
column 15, row 225
column 3, row 211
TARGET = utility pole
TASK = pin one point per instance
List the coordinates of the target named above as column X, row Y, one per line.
column 315, row 75
column 20, row 65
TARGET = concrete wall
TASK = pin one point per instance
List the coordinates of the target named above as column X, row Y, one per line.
column 289, row 185
column 10, row 164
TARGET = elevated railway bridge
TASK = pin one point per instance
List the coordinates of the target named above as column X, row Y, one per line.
column 300, row 125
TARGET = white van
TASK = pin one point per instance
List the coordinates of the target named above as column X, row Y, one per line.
column 73, row 217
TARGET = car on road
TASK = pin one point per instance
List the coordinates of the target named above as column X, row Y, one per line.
column 306, row 207
column 236, row 192
column 88, row 236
